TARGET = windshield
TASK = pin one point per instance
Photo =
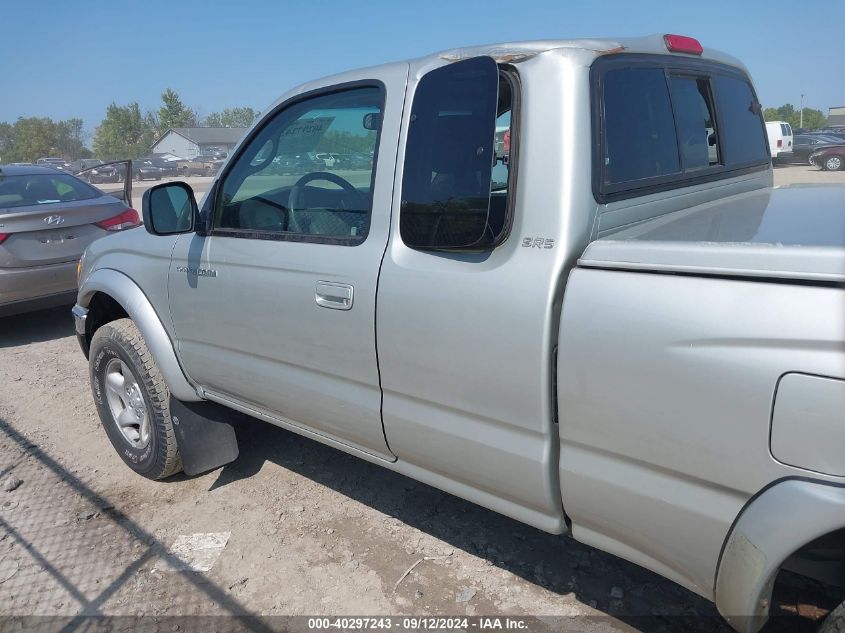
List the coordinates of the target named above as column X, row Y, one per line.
column 38, row 189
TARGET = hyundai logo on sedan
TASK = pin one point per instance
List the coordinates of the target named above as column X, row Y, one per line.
column 54, row 220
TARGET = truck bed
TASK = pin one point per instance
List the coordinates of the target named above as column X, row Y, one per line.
column 790, row 233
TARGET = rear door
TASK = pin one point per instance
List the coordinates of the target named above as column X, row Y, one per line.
column 463, row 334
column 786, row 131
column 274, row 309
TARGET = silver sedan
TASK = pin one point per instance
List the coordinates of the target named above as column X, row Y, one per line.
column 47, row 218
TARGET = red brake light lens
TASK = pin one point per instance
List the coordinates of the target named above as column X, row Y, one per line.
column 126, row 220
column 683, row 44
column 780, row 143
column 3, row 237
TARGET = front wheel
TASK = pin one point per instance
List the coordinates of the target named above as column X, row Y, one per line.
column 834, row 163
column 834, row 622
column 133, row 401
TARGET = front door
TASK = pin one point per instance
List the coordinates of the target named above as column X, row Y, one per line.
column 275, row 307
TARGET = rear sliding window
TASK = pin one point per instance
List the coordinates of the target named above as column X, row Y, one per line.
column 742, row 133
column 639, row 130
column 661, row 126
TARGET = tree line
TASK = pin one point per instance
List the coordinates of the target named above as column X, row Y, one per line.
column 812, row 118
column 125, row 132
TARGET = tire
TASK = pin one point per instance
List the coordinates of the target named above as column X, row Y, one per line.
column 834, row 163
column 834, row 622
column 118, row 350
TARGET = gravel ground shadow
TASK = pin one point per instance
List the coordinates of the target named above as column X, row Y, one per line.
column 36, row 327
column 88, row 561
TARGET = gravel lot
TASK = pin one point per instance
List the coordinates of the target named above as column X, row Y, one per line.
column 806, row 174
column 311, row 530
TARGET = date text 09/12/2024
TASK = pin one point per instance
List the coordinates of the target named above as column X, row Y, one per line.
column 411, row 623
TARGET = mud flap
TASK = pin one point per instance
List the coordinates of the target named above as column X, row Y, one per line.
column 205, row 441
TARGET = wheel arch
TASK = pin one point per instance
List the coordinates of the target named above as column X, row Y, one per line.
column 109, row 295
column 776, row 524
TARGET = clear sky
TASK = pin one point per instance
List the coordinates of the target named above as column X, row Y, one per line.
column 71, row 59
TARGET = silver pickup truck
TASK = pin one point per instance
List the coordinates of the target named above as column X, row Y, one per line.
column 552, row 278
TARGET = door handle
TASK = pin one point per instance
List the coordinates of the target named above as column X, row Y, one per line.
column 334, row 295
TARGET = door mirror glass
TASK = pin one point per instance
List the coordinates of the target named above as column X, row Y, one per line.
column 372, row 121
column 169, row 209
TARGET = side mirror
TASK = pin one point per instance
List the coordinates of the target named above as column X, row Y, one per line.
column 169, row 209
column 372, row 121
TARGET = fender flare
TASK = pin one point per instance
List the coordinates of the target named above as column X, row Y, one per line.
column 775, row 524
column 129, row 295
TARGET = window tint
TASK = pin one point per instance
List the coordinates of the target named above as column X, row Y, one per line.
column 695, row 122
column 38, row 189
column 743, row 136
column 309, row 172
column 784, row 129
column 639, row 135
column 449, row 157
column 171, row 208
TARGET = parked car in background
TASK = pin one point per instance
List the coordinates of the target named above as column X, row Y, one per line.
column 58, row 163
column 779, row 134
column 838, row 132
column 168, row 168
column 806, row 144
column 47, row 219
column 199, row 166
column 143, row 169
column 829, row 158
column 294, row 163
column 84, row 163
column 95, row 171
column 330, row 160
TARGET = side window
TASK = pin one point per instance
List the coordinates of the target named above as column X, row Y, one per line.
column 695, row 122
column 458, row 158
column 662, row 125
column 639, row 134
column 308, row 173
column 743, row 131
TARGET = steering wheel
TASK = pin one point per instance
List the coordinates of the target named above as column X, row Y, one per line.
column 296, row 197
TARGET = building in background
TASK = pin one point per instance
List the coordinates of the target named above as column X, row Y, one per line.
column 836, row 117
column 190, row 142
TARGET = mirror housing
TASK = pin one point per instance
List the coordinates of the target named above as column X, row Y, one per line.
column 372, row 121
column 170, row 209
